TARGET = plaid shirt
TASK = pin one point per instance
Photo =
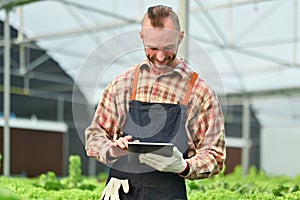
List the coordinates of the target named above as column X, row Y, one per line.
column 205, row 124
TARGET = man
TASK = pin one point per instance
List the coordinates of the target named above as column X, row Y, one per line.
column 179, row 106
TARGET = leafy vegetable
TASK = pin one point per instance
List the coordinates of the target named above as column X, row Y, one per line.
column 255, row 186
column 7, row 194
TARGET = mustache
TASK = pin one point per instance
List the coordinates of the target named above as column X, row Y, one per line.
column 170, row 58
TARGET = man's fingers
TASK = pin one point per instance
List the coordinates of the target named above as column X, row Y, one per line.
column 145, row 159
column 148, row 158
column 128, row 138
column 154, row 157
column 122, row 142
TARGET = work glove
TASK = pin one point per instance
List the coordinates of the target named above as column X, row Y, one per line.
column 111, row 191
column 175, row 163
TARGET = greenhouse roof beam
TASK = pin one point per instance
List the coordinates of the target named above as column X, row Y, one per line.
column 229, row 5
column 69, row 33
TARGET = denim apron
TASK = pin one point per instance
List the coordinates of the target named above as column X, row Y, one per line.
column 153, row 122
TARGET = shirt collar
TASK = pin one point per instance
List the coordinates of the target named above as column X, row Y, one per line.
column 181, row 69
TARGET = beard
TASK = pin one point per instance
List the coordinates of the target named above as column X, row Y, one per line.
column 167, row 63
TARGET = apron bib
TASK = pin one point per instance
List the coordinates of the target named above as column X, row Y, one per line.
column 153, row 122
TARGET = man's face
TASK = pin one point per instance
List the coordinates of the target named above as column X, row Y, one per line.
column 161, row 45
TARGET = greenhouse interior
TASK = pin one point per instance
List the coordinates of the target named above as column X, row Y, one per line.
column 57, row 58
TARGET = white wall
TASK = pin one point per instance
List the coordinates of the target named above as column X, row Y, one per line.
column 280, row 150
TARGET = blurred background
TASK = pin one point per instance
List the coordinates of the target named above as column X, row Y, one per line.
column 56, row 57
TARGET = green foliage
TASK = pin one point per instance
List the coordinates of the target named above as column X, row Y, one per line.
column 282, row 190
column 49, row 182
column 102, row 177
column 256, row 185
column 74, row 180
column 75, row 176
column 7, row 194
column 49, row 187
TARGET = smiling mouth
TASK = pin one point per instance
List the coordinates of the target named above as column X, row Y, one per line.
column 160, row 63
column 166, row 61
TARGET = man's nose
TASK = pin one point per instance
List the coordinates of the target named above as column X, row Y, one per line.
column 160, row 55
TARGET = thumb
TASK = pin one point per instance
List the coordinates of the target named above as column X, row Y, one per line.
column 125, row 185
column 176, row 152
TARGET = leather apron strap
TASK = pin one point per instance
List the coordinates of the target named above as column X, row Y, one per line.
column 134, row 84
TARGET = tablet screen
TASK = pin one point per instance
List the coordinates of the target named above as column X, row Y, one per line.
column 135, row 148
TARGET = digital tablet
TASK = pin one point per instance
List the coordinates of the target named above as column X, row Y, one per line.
column 135, row 148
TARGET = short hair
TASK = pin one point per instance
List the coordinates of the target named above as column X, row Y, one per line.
column 157, row 15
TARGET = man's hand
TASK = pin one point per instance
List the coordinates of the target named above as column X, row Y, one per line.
column 175, row 163
column 120, row 147
column 111, row 191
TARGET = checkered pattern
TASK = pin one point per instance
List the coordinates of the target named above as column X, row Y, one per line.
column 205, row 125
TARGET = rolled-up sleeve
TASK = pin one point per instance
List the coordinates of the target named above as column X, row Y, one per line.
column 109, row 118
column 100, row 134
column 206, row 127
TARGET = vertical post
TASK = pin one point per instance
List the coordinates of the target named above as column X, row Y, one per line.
column 60, row 117
column 296, row 13
column 92, row 168
column 246, row 135
column 60, row 108
column 183, row 18
column 22, row 56
column 20, row 40
column 66, row 142
column 6, row 97
column 229, row 19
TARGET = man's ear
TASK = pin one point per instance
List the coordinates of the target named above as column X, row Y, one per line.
column 141, row 35
column 181, row 36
